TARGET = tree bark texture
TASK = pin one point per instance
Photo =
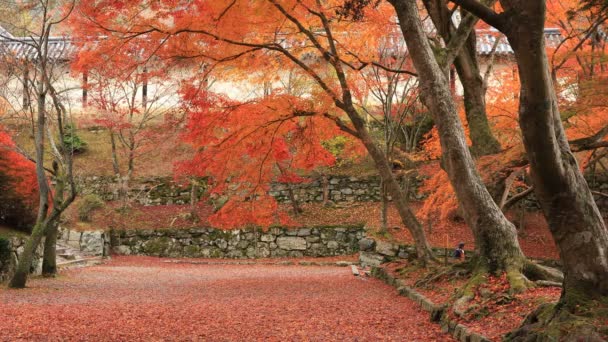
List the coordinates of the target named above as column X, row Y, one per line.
column 495, row 237
column 467, row 67
column 574, row 219
column 49, row 259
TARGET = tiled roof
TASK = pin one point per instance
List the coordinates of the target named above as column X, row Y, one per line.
column 59, row 49
column 487, row 38
column 62, row 49
column 4, row 33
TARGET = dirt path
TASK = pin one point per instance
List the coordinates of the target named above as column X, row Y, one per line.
column 146, row 299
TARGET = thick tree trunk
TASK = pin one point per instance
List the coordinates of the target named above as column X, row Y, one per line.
column 574, row 219
column 49, row 259
column 19, row 279
column 467, row 67
column 495, row 237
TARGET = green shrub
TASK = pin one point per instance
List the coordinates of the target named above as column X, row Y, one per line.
column 89, row 204
column 72, row 141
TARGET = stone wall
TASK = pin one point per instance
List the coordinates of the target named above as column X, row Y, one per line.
column 10, row 249
column 244, row 243
column 146, row 191
column 164, row 190
column 340, row 189
column 93, row 243
column 375, row 252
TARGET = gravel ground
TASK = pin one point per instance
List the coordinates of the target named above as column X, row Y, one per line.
column 147, row 299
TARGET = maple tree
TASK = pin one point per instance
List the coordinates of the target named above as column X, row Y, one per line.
column 579, row 71
column 221, row 33
column 135, row 125
column 247, row 146
column 18, row 185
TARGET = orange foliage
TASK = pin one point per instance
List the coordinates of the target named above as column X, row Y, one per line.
column 18, row 185
column 244, row 147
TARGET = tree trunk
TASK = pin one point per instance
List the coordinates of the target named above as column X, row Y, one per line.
column 467, row 67
column 25, row 259
column 19, row 279
column 115, row 165
column 384, row 214
column 495, row 237
column 294, row 201
column 574, row 219
column 400, row 200
column 325, row 189
column 49, row 259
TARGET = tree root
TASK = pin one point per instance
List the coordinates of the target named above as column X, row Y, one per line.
column 547, row 283
column 520, row 279
column 536, row 272
column 553, row 322
column 452, row 272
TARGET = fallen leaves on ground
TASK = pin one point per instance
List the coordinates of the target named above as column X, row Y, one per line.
column 496, row 312
column 493, row 312
column 147, row 299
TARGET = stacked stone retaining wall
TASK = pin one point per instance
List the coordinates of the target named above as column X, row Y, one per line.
column 242, row 243
column 164, row 190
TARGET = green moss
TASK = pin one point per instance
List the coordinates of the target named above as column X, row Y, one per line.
column 220, row 234
column 216, row 253
column 192, row 251
column 554, row 322
column 517, row 280
column 9, row 233
column 157, row 247
column 478, row 278
column 87, row 205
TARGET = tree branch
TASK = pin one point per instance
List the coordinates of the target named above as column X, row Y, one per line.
column 591, row 142
column 517, row 198
column 483, row 12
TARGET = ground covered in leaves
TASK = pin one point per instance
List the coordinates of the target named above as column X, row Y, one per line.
column 149, row 299
column 494, row 310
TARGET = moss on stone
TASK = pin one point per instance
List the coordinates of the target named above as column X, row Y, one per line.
column 157, row 246
column 192, row 251
column 218, row 234
column 215, row 253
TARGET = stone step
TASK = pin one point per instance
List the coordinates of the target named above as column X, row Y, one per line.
column 67, row 256
column 80, row 262
column 61, row 250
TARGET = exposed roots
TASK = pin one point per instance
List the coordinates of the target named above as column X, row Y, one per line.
column 519, row 279
column 455, row 271
column 537, row 273
column 554, row 322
